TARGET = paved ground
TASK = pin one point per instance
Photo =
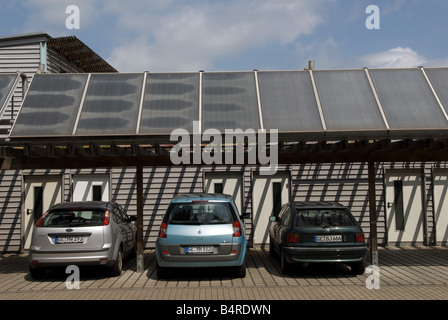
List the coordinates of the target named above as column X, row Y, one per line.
column 406, row 273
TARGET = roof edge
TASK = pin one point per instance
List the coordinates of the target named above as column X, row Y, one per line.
column 24, row 38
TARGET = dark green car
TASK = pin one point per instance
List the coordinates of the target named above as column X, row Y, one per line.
column 317, row 232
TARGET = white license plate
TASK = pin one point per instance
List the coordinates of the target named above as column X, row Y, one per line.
column 199, row 249
column 69, row 239
column 329, row 238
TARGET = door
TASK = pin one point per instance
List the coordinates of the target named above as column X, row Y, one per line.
column 91, row 187
column 270, row 193
column 41, row 192
column 228, row 183
column 404, row 207
column 441, row 206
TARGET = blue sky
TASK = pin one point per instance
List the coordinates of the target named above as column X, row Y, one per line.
column 233, row 35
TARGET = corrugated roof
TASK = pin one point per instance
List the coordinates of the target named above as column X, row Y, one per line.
column 74, row 50
column 69, row 47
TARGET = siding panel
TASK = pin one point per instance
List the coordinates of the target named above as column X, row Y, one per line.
column 10, row 210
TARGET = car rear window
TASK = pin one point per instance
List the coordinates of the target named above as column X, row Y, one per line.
column 323, row 217
column 74, row 218
column 201, row 213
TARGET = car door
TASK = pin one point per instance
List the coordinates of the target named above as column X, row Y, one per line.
column 284, row 225
column 131, row 230
column 276, row 228
column 123, row 227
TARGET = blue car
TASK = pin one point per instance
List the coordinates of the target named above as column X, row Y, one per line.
column 201, row 230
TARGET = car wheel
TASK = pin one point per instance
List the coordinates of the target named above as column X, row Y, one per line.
column 240, row 271
column 37, row 273
column 117, row 268
column 162, row 272
column 285, row 265
column 357, row 268
column 272, row 252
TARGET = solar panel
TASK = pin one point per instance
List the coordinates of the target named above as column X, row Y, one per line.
column 7, row 86
column 292, row 93
column 439, row 80
column 354, row 103
column 51, row 105
column 229, row 101
column 347, row 100
column 407, row 99
column 111, row 104
column 171, row 101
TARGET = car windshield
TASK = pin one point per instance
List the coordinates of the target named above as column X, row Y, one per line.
column 74, row 218
column 323, row 218
column 201, row 213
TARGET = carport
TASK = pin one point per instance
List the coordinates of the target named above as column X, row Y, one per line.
column 322, row 116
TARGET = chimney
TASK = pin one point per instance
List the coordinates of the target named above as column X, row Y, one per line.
column 311, row 65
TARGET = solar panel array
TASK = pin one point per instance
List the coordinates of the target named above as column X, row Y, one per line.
column 332, row 103
column 8, row 82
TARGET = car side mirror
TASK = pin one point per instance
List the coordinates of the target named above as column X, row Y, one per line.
column 245, row 216
column 273, row 218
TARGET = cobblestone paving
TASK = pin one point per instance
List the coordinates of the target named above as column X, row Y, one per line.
column 406, row 273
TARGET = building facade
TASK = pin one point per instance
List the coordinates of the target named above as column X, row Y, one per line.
column 420, row 218
column 410, row 195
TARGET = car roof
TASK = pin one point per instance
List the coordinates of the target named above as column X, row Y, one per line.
column 191, row 197
column 82, row 205
column 317, row 204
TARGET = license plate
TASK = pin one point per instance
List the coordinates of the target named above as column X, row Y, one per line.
column 199, row 249
column 329, row 238
column 69, row 239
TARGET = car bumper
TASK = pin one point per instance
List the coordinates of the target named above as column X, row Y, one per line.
column 325, row 254
column 166, row 259
column 102, row 256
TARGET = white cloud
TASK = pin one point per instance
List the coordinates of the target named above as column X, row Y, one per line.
column 194, row 35
column 394, row 58
column 178, row 35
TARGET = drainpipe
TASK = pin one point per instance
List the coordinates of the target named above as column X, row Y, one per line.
column 24, row 83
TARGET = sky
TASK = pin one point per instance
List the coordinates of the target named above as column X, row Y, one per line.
column 240, row 35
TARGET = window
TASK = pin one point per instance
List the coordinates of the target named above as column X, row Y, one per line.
column 74, row 218
column 97, row 193
column 118, row 214
column 285, row 218
column 219, row 188
column 201, row 213
column 398, row 205
column 277, row 197
column 323, row 217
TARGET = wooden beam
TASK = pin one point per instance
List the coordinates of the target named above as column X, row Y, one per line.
column 140, row 257
column 372, row 214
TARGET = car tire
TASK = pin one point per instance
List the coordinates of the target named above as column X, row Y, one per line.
column 272, row 252
column 357, row 268
column 240, row 271
column 37, row 273
column 162, row 272
column 285, row 265
column 117, row 268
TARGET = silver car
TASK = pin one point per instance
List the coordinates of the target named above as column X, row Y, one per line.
column 82, row 233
